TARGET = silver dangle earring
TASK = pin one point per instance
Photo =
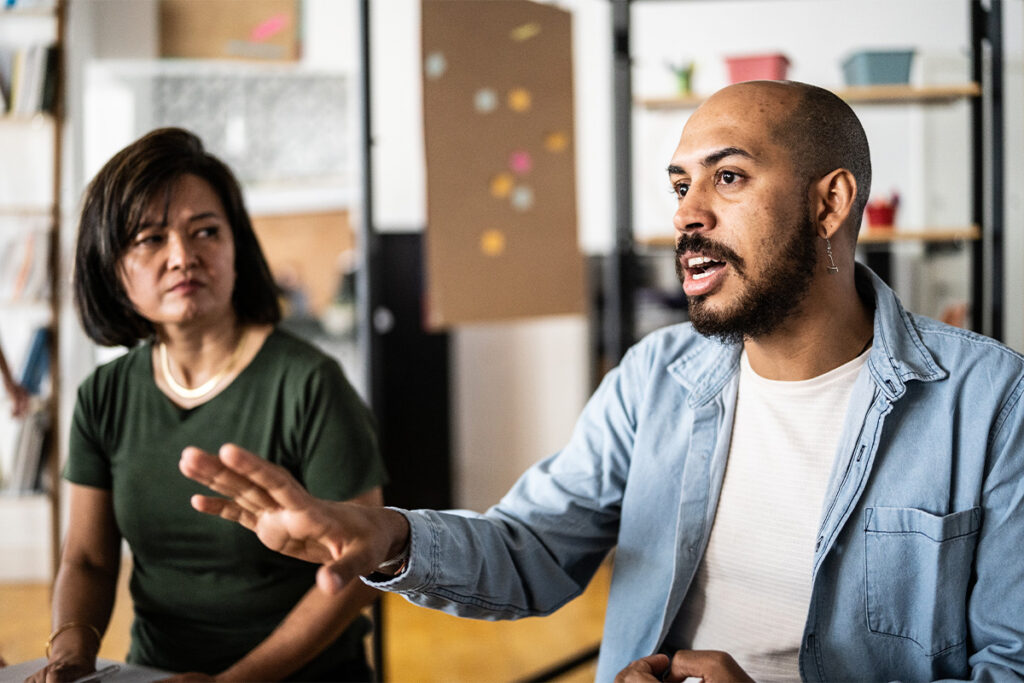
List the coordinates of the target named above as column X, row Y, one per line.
column 832, row 267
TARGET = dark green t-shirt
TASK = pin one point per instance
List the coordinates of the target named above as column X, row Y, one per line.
column 205, row 590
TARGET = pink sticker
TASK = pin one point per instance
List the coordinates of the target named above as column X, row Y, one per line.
column 520, row 162
column 269, row 28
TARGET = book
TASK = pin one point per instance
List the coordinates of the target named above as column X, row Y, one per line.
column 37, row 363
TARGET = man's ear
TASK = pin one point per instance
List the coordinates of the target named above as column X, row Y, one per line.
column 832, row 198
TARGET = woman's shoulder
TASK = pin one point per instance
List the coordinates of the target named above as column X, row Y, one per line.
column 110, row 376
column 126, row 363
column 287, row 353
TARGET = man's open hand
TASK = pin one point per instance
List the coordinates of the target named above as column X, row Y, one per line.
column 348, row 539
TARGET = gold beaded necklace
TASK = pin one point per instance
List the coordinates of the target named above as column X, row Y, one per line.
column 210, row 384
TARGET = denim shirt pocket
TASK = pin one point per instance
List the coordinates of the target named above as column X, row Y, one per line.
column 918, row 566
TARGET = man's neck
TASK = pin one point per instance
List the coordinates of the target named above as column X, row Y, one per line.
column 828, row 330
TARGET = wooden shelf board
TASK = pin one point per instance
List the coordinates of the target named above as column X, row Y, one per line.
column 25, row 211
column 26, row 119
column 890, row 235
column 871, row 94
column 867, row 236
column 45, row 11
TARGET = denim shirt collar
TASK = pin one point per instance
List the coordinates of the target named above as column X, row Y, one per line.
column 897, row 355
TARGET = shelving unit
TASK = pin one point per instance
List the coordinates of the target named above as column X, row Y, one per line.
column 982, row 233
column 870, row 94
column 31, row 512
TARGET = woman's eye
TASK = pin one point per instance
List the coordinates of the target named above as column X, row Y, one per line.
column 149, row 239
column 208, row 231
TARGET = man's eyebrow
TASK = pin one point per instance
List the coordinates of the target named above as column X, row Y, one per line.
column 713, row 158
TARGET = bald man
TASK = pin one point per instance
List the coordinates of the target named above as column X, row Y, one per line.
column 804, row 482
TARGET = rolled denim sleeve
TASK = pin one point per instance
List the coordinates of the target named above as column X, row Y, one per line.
column 540, row 546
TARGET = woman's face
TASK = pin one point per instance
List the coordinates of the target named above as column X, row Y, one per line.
column 179, row 269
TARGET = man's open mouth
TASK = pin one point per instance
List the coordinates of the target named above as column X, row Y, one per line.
column 700, row 267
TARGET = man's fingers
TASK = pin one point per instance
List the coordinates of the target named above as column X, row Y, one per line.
column 329, row 581
column 225, row 508
column 211, row 471
column 712, row 665
column 647, row 668
column 271, row 479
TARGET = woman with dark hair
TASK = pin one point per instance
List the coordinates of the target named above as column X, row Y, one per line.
column 166, row 256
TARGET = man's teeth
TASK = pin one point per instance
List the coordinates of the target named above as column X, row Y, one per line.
column 698, row 261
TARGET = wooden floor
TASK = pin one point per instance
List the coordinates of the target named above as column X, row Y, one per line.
column 420, row 645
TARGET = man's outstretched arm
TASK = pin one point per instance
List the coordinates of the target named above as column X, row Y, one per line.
column 349, row 540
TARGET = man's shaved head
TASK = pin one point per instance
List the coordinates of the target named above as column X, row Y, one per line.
column 818, row 130
column 824, row 134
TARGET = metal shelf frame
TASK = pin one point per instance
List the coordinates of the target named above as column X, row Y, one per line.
column 986, row 130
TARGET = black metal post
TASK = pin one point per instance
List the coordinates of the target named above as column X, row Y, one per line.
column 619, row 313
column 995, row 179
column 367, row 282
column 987, row 266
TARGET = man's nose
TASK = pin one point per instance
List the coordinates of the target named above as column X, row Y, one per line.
column 693, row 212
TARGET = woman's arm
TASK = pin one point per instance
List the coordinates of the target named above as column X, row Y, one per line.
column 83, row 594
column 313, row 624
column 19, row 396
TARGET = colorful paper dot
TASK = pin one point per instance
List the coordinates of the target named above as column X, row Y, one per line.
column 522, row 198
column 435, row 65
column 519, row 99
column 485, row 100
column 524, row 32
column 520, row 162
column 501, row 185
column 492, row 242
column 556, row 142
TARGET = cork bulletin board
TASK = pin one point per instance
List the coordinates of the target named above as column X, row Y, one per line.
column 501, row 189
column 230, row 29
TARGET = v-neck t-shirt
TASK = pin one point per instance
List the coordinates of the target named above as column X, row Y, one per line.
column 205, row 590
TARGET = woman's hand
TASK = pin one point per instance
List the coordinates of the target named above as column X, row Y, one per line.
column 63, row 668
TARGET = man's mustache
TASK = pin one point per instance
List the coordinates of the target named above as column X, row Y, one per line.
column 691, row 242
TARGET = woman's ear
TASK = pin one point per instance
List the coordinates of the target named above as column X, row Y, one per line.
column 832, row 197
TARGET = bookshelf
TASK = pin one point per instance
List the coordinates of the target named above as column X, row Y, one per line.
column 31, row 130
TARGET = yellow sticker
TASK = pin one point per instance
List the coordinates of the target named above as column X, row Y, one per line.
column 519, row 99
column 556, row 142
column 502, row 184
column 492, row 242
column 524, row 32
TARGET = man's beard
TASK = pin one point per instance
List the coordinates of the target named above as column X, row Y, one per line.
column 767, row 301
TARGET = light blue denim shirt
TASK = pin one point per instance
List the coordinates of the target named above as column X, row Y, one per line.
column 918, row 567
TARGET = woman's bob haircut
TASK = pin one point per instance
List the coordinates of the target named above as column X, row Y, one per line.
column 112, row 212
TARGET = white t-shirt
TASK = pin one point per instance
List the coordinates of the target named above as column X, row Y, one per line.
column 753, row 587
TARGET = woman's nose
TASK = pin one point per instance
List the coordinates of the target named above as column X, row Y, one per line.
column 181, row 253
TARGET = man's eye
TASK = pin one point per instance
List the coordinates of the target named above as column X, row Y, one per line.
column 680, row 189
column 728, row 177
